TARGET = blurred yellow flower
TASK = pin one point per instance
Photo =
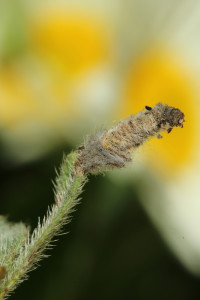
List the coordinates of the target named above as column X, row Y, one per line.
column 164, row 66
column 170, row 181
column 70, row 40
column 17, row 99
column 157, row 75
column 41, row 86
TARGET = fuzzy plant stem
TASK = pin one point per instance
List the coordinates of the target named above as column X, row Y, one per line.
column 67, row 189
column 21, row 251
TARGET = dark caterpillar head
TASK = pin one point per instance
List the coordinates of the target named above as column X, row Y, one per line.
column 168, row 117
column 174, row 116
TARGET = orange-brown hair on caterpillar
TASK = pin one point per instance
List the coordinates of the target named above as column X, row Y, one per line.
column 113, row 147
column 2, row 272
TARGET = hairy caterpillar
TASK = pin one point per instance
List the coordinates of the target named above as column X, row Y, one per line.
column 113, row 147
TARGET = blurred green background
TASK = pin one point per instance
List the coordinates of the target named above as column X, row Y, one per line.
column 66, row 69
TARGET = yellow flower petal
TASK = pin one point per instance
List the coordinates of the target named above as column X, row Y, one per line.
column 157, row 76
column 17, row 100
column 70, row 40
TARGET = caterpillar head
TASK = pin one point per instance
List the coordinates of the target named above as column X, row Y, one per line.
column 168, row 117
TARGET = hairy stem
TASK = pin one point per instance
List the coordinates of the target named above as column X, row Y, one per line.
column 20, row 251
column 67, row 189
